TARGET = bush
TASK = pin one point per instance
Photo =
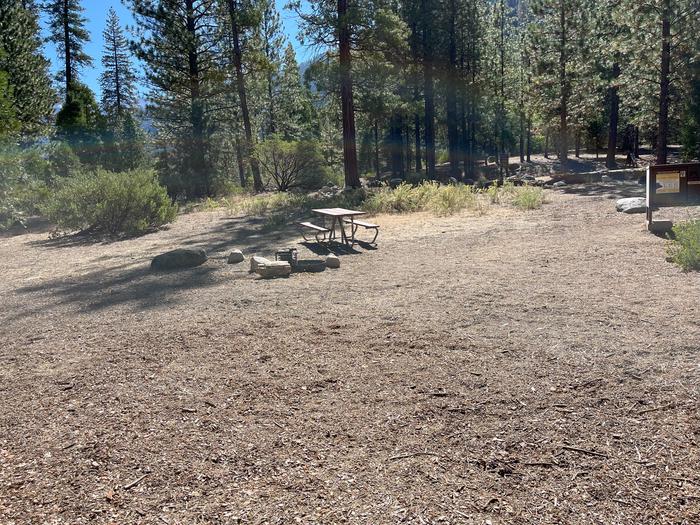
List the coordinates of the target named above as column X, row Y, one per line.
column 128, row 202
column 441, row 200
column 22, row 187
column 684, row 249
column 528, row 197
column 291, row 164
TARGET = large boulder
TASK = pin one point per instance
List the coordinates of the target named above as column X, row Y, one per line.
column 272, row 269
column 180, row 258
column 235, row 257
column 632, row 205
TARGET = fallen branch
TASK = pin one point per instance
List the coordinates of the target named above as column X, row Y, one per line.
column 664, row 407
column 414, row 454
column 134, row 483
column 584, row 451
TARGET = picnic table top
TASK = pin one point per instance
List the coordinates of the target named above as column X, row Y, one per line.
column 338, row 212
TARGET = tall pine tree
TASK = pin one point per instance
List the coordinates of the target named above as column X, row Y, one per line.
column 118, row 81
column 67, row 31
column 26, row 68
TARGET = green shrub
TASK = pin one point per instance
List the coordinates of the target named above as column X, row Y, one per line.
column 428, row 196
column 23, row 190
column 129, row 202
column 684, row 248
column 528, row 197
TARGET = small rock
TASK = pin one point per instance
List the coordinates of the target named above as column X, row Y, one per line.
column 559, row 184
column 632, row 205
column 180, row 258
column 235, row 257
column 309, row 265
column 333, row 261
column 395, row 183
column 605, row 178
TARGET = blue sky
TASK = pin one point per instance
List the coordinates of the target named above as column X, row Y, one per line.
column 96, row 13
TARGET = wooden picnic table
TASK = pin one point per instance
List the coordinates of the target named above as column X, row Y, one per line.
column 337, row 216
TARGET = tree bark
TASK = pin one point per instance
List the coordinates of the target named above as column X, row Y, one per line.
column 199, row 172
column 241, row 163
column 67, row 50
column 242, row 98
column 662, row 139
column 563, row 88
column 376, row 148
column 352, row 176
column 614, row 97
column 428, row 91
column 529, row 138
column 451, row 97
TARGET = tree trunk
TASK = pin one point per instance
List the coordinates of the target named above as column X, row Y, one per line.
column 614, row 97
column 529, row 138
column 396, row 146
column 563, row 89
column 199, row 172
column 242, row 98
column 546, row 144
column 241, row 163
column 352, row 176
column 416, row 131
column 67, row 50
column 428, row 91
column 376, row 148
column 636, row 141
column 662, row 139
column 451, row 97
column 577, row 145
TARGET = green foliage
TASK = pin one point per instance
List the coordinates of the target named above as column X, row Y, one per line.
column 62, row 162
column 291, row 164
column 684, row 248
column 428, row 196
column 111, row 203
column 26, row 67
column 67, row 31
column 9, row 125
column 528, row 197
column 23, row 190
column 118, row 78
column 79, row 123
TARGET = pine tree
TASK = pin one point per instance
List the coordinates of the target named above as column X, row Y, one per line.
column 118, row 79
column 67, row 31
column 26, row 68
column 272, row 43
column 179, row 42
column 239, row 18
column 295, row 114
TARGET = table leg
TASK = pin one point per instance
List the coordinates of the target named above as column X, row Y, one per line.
column 343, row 236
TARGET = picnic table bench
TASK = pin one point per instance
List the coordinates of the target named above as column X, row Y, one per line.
column 354, row 224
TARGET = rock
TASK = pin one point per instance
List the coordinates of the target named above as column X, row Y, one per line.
column 272, row 269
column 605, row 178
column 452, row 181
column 559, row 184
column 256, row 261
column 394, row 183
column 333, row 261
column 632, row 205
column 235, row 257
column 309, row 265
column 180, row 258
column 469, row 182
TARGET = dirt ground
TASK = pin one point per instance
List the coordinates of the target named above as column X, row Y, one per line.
column 518, row 367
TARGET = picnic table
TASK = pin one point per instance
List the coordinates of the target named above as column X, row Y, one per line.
column 338, row 217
